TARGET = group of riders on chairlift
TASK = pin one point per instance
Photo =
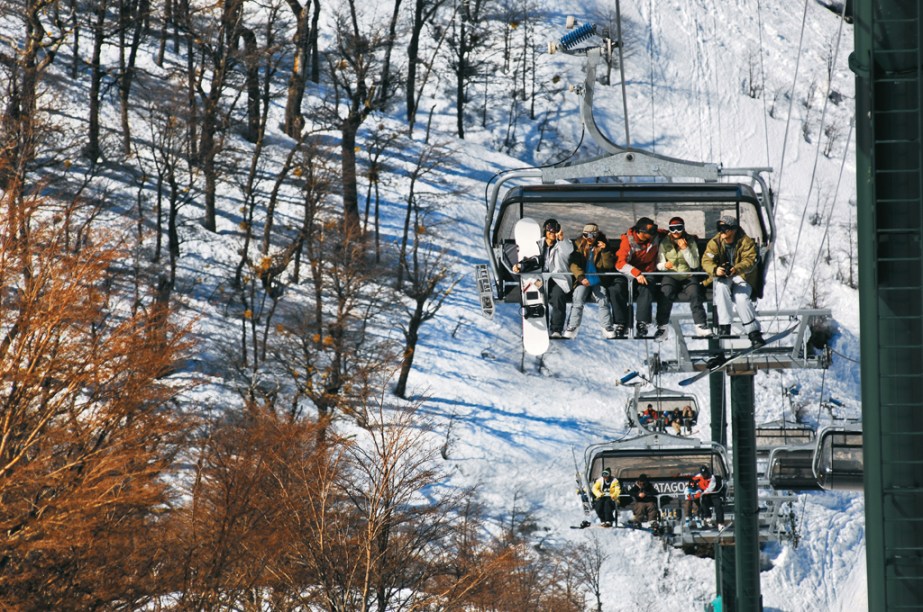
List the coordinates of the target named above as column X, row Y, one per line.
column 589, row 267
column 703, row 492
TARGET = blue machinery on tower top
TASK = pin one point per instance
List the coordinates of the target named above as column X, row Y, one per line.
column 615, row 189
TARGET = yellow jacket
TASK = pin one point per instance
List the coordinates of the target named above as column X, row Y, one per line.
column 615, row 489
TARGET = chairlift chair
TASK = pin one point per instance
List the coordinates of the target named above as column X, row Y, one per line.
column 838, row 458
column 790, row 468
column 668, row 462
column 662, row 400
column 615, row 207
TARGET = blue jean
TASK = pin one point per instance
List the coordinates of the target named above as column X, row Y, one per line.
column 581, row 293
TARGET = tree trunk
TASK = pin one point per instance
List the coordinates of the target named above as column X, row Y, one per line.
column 315, row 55
column 384, row 90
column 413, row 49
column 253, row 84
column 294, row 121
column 460, row 70
column 135, row 12
column 92, row 149
column 75, row 25
column 351, row 220
column 411, row 336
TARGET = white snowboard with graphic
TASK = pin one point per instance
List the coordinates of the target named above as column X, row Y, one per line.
column 528, row 234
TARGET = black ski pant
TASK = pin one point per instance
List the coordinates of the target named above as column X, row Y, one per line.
column 713, row 500
column 644, row 300
column 690, row 289
column 557, row 302
column 605, row 509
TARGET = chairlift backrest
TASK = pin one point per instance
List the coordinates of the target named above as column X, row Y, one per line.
column 615, row 208
column 776, row 434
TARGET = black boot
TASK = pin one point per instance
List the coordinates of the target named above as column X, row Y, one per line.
column 756, row 339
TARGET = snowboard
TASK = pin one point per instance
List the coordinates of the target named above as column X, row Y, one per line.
column 528, row 234
column 720, row 362
column 485, row 292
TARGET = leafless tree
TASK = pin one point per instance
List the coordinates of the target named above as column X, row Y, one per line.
column 86, row 442
column 468, row 35
column 379, row 147
column 430, row 159
column 305, row 52
column 133, row 15
column 355, row 69
column 426, row 289
column 424, row 12
column 589, row 560
column 217, row 38
column 21, row 130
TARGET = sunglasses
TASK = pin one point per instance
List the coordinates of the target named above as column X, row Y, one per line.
column 726, row 228
column 649, row 231
column 677, row 228
column 588, row 234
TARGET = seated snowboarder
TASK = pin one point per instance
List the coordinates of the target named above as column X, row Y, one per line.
column 606, row 491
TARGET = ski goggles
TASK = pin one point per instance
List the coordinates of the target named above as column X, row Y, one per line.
column 677, row 227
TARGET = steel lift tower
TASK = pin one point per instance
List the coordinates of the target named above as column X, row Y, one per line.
column 887, row 62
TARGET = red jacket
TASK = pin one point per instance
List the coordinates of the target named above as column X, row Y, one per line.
column 705, row 485
column 634, row 257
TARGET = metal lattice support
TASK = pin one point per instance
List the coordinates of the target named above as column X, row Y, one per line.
column 887, row 62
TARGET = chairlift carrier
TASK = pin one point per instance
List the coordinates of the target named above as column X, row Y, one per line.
column 791, row 468
column 838, row 458
column 615, row 189
column 669, row 462
column 662, row 399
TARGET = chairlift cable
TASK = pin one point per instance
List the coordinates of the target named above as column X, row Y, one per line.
column 836, row 193
column 759, row 29
column 845, row 150
column 823, row 116
column 791, row 102
column 650, row 58
column 621, row 46
column 820, row 400
column 717, row 64
column 788, row 122
column 844, row 356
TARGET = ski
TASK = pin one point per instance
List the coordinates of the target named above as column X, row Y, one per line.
column 626, row 526
column 720, row 362
column 528, row 235
column 485, row 292
column 582, row 489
